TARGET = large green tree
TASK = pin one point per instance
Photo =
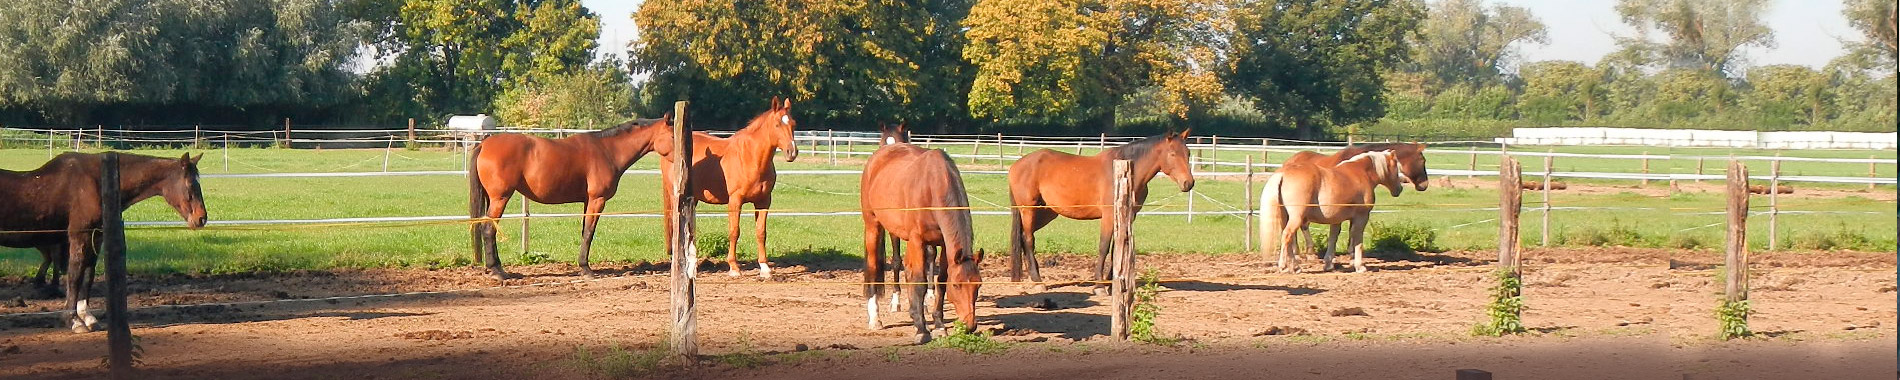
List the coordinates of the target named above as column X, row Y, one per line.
column 1706, row 35
column 1311, row 64
column 1076, row 60
column 1875, row 19
column 122, row 61
column 1784, row 95
column 851, row 62
column 1556, row 91
column 454, row 56
column 1466, row 42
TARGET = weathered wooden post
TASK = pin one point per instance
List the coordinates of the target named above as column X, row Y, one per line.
column 1735, row 292
column 1246, row 235
column 1698, row 170
column 1122, row 248
column 1645, row 168
column 1510, row 206
column 287, row 133
column 1545, row 242
column 1774, row 203
column 685, row 257
column 197, row 136
column 412, row 132
column 525, row 217
column 112, row 245
column 1473, row 167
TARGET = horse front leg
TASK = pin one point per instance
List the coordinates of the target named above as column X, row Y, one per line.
column 78, row 270
column 588, row 220
column 914, row 264
column 732, row 237
column 1332, row 245
column 758, row 217
column 873, row 272
column 933, row 256
column 1103, row 249
column 1358, row 242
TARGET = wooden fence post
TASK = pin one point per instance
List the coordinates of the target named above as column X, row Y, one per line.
column 1736, row 265
column 685, row 258
column 1510, row 206
column 1698, row 170
column 412, row 132
column 112, row 245
column 1774, row 204
column 197, row 136
column 1122, row 283
column 1545, row 242
column 227, row 153
column 1645, row 168
column 1474, row 163
column 1871, row 172
column 1247, row 192
column 287, row 133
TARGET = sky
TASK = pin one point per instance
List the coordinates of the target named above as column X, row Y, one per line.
column 1807, row 32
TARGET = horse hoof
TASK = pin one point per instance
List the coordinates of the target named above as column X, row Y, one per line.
column 732, row 273
column 1359, row 270
column 1038, row 288
column 923, row 338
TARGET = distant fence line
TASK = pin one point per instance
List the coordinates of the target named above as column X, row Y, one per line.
column 1702, row 138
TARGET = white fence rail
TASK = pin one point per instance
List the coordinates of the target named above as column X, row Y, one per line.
column 1700, row 138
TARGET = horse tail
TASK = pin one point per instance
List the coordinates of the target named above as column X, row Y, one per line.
column 1015, row 242
column 477, row 200
column 1272, row 217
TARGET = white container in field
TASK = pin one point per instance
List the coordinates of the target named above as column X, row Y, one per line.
column 469, row 129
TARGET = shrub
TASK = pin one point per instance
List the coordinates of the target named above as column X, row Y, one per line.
column 1401, row 240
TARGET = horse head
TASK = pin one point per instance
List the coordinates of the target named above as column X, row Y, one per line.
column 779, row 121
column 892, row 134
column 1411, row 161
column 1387, row 169
column 965, row 275
column 180, row 189
column 1174, row 160
column 659, row 134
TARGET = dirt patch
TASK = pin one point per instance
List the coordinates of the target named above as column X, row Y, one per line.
column 1595, row 313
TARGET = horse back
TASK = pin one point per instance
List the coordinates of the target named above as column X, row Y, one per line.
column 48, row 198
column 901, row 178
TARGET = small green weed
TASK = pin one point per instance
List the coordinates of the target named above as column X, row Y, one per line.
column 1506, row 308
column 616, row 361
column 1402, row 240
column 1734, row 319
column 975, row 343
column 1142, row 327
column 535, row 257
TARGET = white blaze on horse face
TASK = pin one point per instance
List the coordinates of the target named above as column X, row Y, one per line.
column 785, row 119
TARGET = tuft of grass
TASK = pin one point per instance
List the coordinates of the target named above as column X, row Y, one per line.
column 1402, row 240
column 536, row 257
column 1840, row 237
column 1506, row 308
column 1142, row 327
column 1614, row 234
column 616, row 361
column 969, row 342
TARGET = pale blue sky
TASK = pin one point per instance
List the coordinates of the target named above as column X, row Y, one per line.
column 1807, row 32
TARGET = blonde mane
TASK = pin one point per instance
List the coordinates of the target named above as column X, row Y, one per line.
column 1380, row 161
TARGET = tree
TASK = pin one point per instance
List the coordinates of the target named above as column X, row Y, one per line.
column 1783, row 95
column 1314, row 63
column 1073, row 60
column 1466, row 42
column 1875, row 19
column 454, row 56
column 72, row 62
column 1684, row 95
column 556, row 37
column 1556, row 91
column 1705, row 35
column 591, row 98
column 854, row 61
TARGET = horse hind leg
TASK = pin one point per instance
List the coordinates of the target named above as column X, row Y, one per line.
column 496, row 206
column 1358, row 244
column 1332, row 247
column 896, row 256
column 873, row 273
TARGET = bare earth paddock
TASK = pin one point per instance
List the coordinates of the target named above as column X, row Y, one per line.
column 1609, row 313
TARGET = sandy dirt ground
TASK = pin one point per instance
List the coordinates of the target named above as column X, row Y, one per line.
column 1594, row 314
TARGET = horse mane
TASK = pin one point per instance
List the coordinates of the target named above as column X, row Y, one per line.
column 762, row 119
column 625, row 127
column 1379, row 162
column 1138, row 148
column 1374, row 147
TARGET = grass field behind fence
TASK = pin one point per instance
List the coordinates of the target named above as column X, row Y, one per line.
column 1454, row 215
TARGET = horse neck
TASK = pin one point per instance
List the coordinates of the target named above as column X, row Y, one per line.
column 1363, row 166
column 1144, row 168
column 629, row 146
column 753, row 138
column 140, row 178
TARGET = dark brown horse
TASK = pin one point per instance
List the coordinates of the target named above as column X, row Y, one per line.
column 737, row 170
column 60, row 200
column 916, row 195
column 579, row 168
column 1046, row 183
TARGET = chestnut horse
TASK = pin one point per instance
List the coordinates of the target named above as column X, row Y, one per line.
column 737, row 170
column 63, row 196
column 580, row 168
column 1047, row 183
column 1411, row 157
column 1304, row 193
column 916, row 195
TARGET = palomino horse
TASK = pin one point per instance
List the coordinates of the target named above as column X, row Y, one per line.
column 1047, row 183
column 1411, row 157
column 584, row 167
column 1304, row 193
column 737, row 170
column 60, row 201
column 916, row 195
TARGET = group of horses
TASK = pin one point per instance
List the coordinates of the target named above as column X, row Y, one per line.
column 911, row 195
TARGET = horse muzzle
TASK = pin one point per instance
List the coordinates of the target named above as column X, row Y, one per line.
column 1187, row 186
column 790, row 154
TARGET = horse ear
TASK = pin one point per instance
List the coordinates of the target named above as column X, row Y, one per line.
column 1184, row 132
column 774, row 102
column 194, row 159
column 788, row 104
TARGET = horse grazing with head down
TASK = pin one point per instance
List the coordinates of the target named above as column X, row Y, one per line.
column 580, row 168
column 1046, row 183
column 737, row 170
column 916, row 195
column 59, row 202
column 1304, row 193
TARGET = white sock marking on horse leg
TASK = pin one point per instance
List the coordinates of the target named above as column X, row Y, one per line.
column 83, row 317
column 765, row 270
column 870, row 311
column 895, row 305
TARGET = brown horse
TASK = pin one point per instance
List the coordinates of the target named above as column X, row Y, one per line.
column 1047, row 183
column 584, row 167
column 60, row 200
column 1304, row 193
column 916, row 195
column 737, row 170
column 1411, row 158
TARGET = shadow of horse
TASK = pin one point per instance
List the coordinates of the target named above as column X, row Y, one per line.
column 1203, row 286
column 1047, row 301
column 1071, row 326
